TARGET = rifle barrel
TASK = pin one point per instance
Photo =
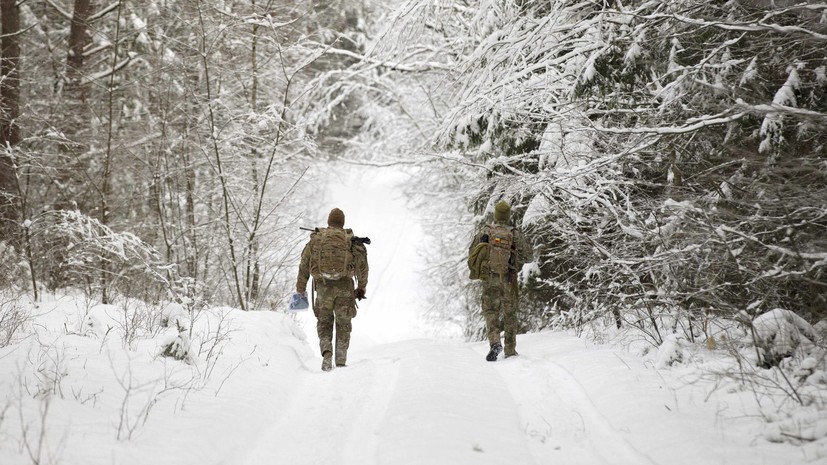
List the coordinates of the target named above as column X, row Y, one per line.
column 361, row 240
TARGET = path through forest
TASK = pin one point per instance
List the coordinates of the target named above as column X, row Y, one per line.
column 439, row 402
column 406, row 398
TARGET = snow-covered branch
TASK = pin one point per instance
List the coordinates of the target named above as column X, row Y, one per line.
column 105, row 11
column 820, row 257
column 690, row 127
column 402, row 66
column 109, row 72
column 751, row 26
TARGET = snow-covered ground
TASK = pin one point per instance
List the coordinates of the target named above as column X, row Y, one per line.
column 255, row 394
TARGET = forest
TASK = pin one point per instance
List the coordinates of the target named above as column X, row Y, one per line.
column 667, row 159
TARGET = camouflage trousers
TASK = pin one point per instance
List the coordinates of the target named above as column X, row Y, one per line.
column 334, row 307
column 499, row 308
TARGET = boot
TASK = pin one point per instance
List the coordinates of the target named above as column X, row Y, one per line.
column 327, row 361
column 341, row 358
column 510, row 345
column 496, row 348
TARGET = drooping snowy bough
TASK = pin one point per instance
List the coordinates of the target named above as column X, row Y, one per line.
column 779, row 333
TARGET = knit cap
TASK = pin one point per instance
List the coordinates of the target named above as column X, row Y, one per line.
column 336, row 218
column 502, row 211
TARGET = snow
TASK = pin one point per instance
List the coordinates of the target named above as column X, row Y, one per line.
column 85, row 384
column 782, row 331
column 414, row 401
column 670, row 352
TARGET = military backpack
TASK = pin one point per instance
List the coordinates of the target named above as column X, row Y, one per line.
column 493, row 254
column 500, row 246
column 332, row 257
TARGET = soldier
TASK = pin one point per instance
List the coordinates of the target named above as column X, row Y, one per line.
column 334, row 259
column 503, row 255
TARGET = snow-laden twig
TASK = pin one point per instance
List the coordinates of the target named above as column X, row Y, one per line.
column 712, row 120
column 751, row 26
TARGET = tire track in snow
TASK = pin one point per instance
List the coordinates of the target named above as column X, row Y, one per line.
column 450, row 407
column 565, row 424
column 332, row 418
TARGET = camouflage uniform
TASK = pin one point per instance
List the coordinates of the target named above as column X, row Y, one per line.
column 500, row 292
column 335, row 304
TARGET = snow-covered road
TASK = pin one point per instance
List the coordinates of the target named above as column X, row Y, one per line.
column 432, row 402
column 420, row 401
column 416, row 402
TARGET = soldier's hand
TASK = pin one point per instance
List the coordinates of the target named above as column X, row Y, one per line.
column 359, row 294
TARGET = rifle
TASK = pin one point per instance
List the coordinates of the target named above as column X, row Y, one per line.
column 355, row 239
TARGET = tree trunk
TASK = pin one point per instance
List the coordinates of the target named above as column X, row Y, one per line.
column 251, row 278
column 191, row 248
column 9, row 112
column 76, row 109
column 106, row 175
column 78, row 40
column 226, row 192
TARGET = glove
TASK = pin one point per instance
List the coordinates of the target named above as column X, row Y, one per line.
column 359, row 294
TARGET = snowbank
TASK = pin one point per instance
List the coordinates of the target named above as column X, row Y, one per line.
column 89, row 384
